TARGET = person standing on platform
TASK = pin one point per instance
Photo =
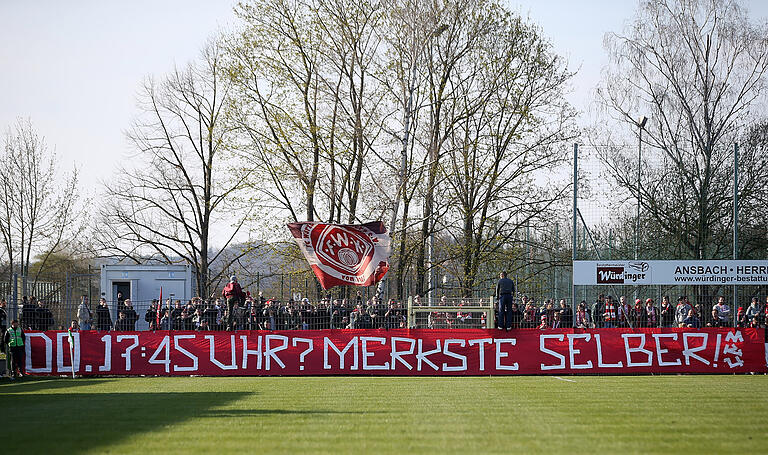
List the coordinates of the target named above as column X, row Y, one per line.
column 234, row 294
column 505, row 288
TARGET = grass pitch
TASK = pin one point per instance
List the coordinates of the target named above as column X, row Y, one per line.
column 608, row 414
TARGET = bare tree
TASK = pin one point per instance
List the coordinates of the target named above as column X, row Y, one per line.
column 308, row 102
column 697, row 68
column 40, row 212
column 515, row 122
column 181, row 193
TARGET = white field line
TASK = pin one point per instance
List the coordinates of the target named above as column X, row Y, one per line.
column 563, row 379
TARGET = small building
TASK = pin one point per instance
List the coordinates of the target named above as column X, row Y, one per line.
column 142, row 284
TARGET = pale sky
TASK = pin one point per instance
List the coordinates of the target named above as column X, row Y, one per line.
column 75, row 67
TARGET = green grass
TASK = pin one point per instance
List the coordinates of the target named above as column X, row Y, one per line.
column 608, row 414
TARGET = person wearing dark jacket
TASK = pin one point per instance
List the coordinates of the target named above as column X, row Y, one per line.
column 103, row 318
column 667, row 313
column 151, row 315
column 28, row 313
column 123, row 324
column 130, row 314
column 364, row 320
column 43, row 317
column 505, row 288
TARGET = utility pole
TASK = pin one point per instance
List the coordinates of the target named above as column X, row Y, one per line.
column 575, row 215
column 735, row 220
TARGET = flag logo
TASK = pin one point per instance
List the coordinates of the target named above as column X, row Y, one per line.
column 343, row 254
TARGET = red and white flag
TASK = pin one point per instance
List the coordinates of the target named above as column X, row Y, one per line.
column 344, row 254
column 159, row 306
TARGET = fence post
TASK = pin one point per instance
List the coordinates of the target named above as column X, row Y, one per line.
column 735, row 223
column 15, row 296
column 491, row 319
column 411, row 321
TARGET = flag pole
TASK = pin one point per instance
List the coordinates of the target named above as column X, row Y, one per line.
column 72, row 351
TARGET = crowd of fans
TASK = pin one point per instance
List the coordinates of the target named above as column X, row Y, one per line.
column 252, row 313
column 259, row 313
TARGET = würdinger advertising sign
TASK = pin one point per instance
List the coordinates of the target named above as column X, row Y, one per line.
column 678, row 272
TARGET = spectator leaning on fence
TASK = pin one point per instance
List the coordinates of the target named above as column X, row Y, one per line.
column 754, row 309
column 692, row 321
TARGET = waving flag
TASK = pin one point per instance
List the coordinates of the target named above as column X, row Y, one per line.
column 344, row 254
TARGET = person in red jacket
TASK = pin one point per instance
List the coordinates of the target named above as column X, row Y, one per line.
column 234, row 294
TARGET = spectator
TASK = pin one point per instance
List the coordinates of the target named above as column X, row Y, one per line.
column 624, row 312
column 723, row 312
column 122, row 324
column 651, row 313
column 566, row 314
column 598, row 310
column 234, row 294
column 741, row 318
column 517, row 316
column 667, row 313
column 176, row 312
column 151, row 315
column 543, row 325
column 682, row 310
column 43, row 316
column 609, row 313
column 691, row 321
column 530, row 315
column 363, row 320
column 28, row 313
column 583, row 320
column 165, row 321
column 505, row 288
column 3, row 319
column 103, row 318
column 637, row 314
column 754, row 309
column 188, row 316
column 549, row 312
column 714, row 319
column 556, row 323
column 130, row 314
column 84, row 314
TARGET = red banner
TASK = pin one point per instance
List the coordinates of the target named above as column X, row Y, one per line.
column 344, row 254
column 399, row 352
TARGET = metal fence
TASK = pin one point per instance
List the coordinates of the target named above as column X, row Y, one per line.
column 201, row 315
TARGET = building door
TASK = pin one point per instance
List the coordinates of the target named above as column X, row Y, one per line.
column 121, row 290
